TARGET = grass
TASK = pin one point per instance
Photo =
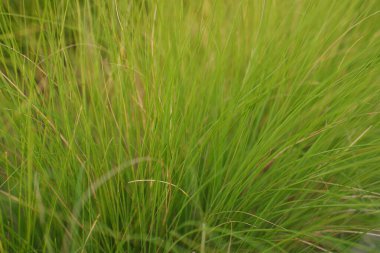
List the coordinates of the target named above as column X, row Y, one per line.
column 189, row 126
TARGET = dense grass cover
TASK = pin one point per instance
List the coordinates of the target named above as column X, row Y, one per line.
column 181, row 126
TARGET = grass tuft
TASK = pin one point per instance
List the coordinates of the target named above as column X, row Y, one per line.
column 189, row 126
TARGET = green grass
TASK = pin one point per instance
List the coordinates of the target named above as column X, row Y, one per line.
column 189, row 126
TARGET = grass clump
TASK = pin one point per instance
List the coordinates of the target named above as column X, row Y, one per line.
column 181, row 126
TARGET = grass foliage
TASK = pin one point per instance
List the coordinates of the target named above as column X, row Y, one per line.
column 181, row 126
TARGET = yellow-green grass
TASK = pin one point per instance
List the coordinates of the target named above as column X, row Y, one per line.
column 189, row 126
